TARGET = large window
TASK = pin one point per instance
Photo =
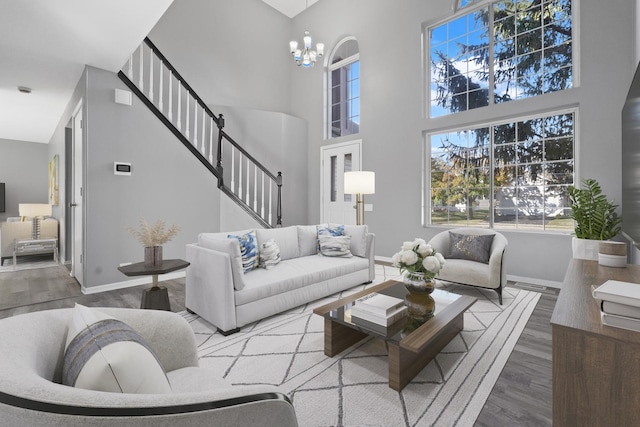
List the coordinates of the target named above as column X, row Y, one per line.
column 498, row 52
column 511, row 175
column 344, row 89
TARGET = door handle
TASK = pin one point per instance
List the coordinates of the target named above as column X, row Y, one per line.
column 73, row 205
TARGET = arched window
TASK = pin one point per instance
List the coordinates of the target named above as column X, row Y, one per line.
column 344, row 89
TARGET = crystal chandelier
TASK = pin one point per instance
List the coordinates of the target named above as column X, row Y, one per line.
column 305, row 56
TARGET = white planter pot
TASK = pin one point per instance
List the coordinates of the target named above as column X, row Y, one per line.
column 585, row 248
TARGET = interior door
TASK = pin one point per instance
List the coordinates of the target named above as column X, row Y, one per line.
column 76, row 205
column 337, row 207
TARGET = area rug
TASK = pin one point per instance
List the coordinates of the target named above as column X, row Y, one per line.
column 351, row 389
column 27, row 263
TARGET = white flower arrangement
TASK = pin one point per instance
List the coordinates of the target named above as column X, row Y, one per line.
column 418, row 257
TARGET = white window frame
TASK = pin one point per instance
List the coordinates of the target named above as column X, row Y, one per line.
column 328, row 91
column 468, row 9
column 426, row 196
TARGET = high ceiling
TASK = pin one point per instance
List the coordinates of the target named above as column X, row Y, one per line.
column 290, row 8
column 45, row 45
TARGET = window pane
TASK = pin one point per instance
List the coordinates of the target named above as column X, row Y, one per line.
column 533, row 166
column 345, row 90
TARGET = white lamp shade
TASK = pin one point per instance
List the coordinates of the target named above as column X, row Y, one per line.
column 360, row 182
column 34, row 209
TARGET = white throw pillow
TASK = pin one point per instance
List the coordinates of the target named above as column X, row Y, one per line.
column 269, row 254
column 335, row 246
column 106, row 354
column 286, row 238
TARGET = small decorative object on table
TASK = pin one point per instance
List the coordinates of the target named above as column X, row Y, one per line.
column 421, row 263
column 152, row 237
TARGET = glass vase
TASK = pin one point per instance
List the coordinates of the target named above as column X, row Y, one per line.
column 420, row 304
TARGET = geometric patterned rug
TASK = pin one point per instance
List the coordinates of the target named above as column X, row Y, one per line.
column 351, row 389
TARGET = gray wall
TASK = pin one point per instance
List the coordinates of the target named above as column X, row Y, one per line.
column 232, row 53
column 167, row 182
column 392, row 123
column 24, row 168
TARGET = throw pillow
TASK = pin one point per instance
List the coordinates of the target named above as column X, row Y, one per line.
column 285, row 237
column 106, row 354
column 248, row 250
column 269, row 254
column 471, row 247
column 330, row 230
column 335, row 246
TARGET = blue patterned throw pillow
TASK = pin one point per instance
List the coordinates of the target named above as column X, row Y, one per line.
column 331, row 230
column 248, row 250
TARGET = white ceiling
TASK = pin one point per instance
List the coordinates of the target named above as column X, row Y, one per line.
column 45, row 45
column 290, row 8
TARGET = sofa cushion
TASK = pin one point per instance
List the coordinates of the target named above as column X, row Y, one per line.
column 358, row 234
column 248, row 249
column 286, row 238
column 219, row 242
column 307, row 240
column 269, row 254
column 335, row 246
column 106, row 354
column 330, row 230
column 472, row 247
column 296, row 273
column 467, row 272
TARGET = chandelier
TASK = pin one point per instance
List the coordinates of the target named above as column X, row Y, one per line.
column 305, row 56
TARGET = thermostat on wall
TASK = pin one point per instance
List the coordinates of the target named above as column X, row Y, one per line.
column 120, row 168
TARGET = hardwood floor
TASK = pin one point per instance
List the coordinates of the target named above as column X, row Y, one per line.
column 521, row 396
column 48, row 288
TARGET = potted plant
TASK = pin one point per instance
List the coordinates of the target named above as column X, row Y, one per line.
column 595, row 219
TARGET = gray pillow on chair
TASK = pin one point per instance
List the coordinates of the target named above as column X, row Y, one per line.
column 472, row 247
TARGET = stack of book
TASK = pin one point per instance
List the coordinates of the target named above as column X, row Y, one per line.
column 620, row 304
column 378, row 311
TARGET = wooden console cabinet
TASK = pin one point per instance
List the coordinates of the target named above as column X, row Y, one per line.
column 596, row 368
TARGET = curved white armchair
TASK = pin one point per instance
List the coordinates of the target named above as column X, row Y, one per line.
column 472, row 273
column 31, row 354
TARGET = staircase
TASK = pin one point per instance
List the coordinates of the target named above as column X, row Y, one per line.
column 240, row 176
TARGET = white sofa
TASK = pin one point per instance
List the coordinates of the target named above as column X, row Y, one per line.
column 15, row 229
column 219, row 291
column 491, row 275
column 31, row 393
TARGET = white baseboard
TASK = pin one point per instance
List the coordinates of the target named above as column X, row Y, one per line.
column 533, row 281
column 130, row 283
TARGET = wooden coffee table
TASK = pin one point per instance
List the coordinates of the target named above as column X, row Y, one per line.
column 410, row 350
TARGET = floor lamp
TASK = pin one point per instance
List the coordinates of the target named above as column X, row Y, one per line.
column 359, row 183
column 36, row 211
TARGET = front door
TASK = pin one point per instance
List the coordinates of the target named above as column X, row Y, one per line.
column 337, row 207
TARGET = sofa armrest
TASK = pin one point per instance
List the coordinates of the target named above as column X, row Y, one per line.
column 498, row 272
column 371, row 255
column 209, row 289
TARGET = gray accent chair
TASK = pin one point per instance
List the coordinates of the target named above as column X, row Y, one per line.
column 31, row 354
column 491, row 276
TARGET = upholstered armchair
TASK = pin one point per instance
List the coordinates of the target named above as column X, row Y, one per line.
column 31, row 358
column 491, row 275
